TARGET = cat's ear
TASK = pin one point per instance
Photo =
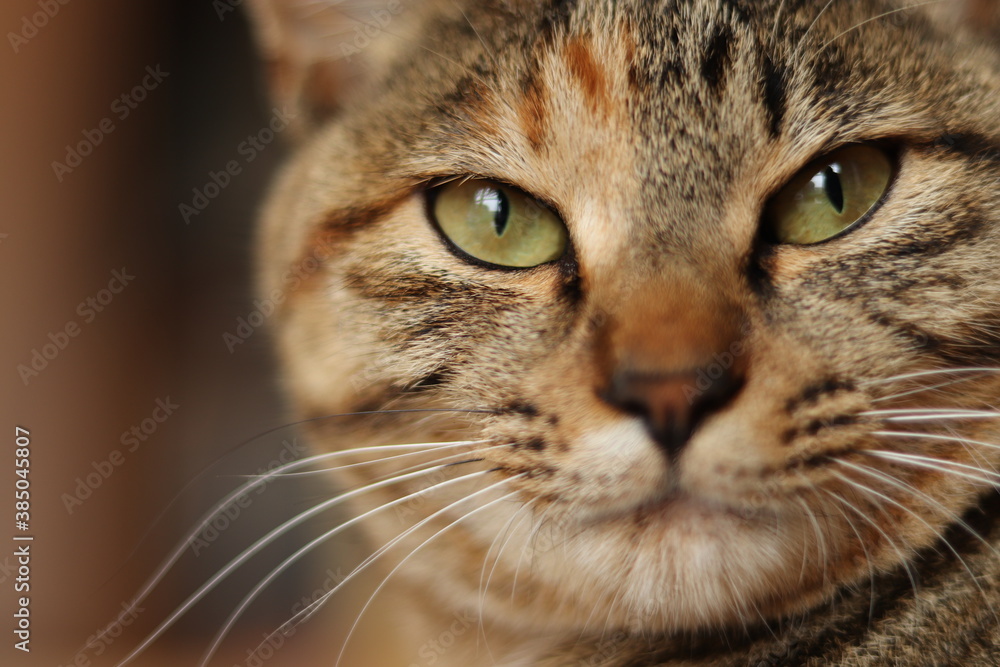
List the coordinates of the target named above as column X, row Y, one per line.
column 318, row 51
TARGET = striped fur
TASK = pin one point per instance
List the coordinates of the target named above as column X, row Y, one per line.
column 658, row 129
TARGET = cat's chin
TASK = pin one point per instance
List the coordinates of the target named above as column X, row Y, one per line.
column 697, row 564
column 759, row 564
column 674, row 546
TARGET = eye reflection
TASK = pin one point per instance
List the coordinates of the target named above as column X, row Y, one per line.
column 498, row 224
column 496, row 203
column 829, row 196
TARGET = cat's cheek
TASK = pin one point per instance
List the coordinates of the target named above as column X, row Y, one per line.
column 608, row 469
column 620, row 469
column 321, row 365
column 736, row 459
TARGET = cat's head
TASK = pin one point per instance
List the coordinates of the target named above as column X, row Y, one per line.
column 716, row 283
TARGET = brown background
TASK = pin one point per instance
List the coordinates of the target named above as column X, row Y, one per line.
column 160, row 338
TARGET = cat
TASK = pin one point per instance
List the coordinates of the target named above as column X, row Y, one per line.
column 694, row 304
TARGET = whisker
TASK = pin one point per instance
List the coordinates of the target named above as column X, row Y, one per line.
column 739, row 603
column 528, row 541
column 473, row 453
column 259, row 545
column 964, row 416
column 486, row 48
column 304, row 614
column 802, row 40
column 777, row 21
column 939, row 371
column 909, row 488
column 932, row 411
column 821, row 547
column 956, row 520
column 298, row 555
column 484, row 588
column 867, row 489
column 892, row 543
column 874, row 18
column 167, row 564
column 180, row 494
column 985, row 476
column 413, row 553
column 935, row 436
column 868, row 562
column 422, row 448
column 919, row 390
column 906, row 488
column 611, row 608
column 966, row 443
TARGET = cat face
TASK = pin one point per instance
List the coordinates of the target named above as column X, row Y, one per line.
column 713, row 286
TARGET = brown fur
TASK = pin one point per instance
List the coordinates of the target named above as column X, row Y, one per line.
column 658, row 130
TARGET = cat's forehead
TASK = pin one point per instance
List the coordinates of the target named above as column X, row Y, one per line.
column 653, row 106
column 666, row 120
column 697, row 80
column 690, row 68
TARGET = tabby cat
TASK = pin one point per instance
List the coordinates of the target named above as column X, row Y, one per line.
column 690, row 310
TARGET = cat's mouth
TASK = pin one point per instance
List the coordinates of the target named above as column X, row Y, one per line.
column 683, row 506
column 641, row 481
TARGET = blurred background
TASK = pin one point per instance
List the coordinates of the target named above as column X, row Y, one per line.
column 135, row 154
column 138, row 142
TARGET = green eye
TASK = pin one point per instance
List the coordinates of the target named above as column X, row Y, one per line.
column 497, row 224
column 829, row 196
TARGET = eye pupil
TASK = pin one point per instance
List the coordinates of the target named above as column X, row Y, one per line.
column 497, row 203
column 834, row 188
column 498, row 224
column 501, row 217
column 829, row 196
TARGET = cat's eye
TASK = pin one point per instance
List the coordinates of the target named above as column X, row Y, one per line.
column 498, row 224
column 829, row 196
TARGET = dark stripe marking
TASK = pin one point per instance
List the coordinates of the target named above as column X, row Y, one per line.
column 774, row 82
column 718, row 58
column 812, row 394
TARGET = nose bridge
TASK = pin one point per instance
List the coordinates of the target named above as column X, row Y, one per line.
column 655, row 345
column 674, row 324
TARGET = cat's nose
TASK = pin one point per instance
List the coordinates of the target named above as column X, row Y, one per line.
column 672, row 351
column 673, row 405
